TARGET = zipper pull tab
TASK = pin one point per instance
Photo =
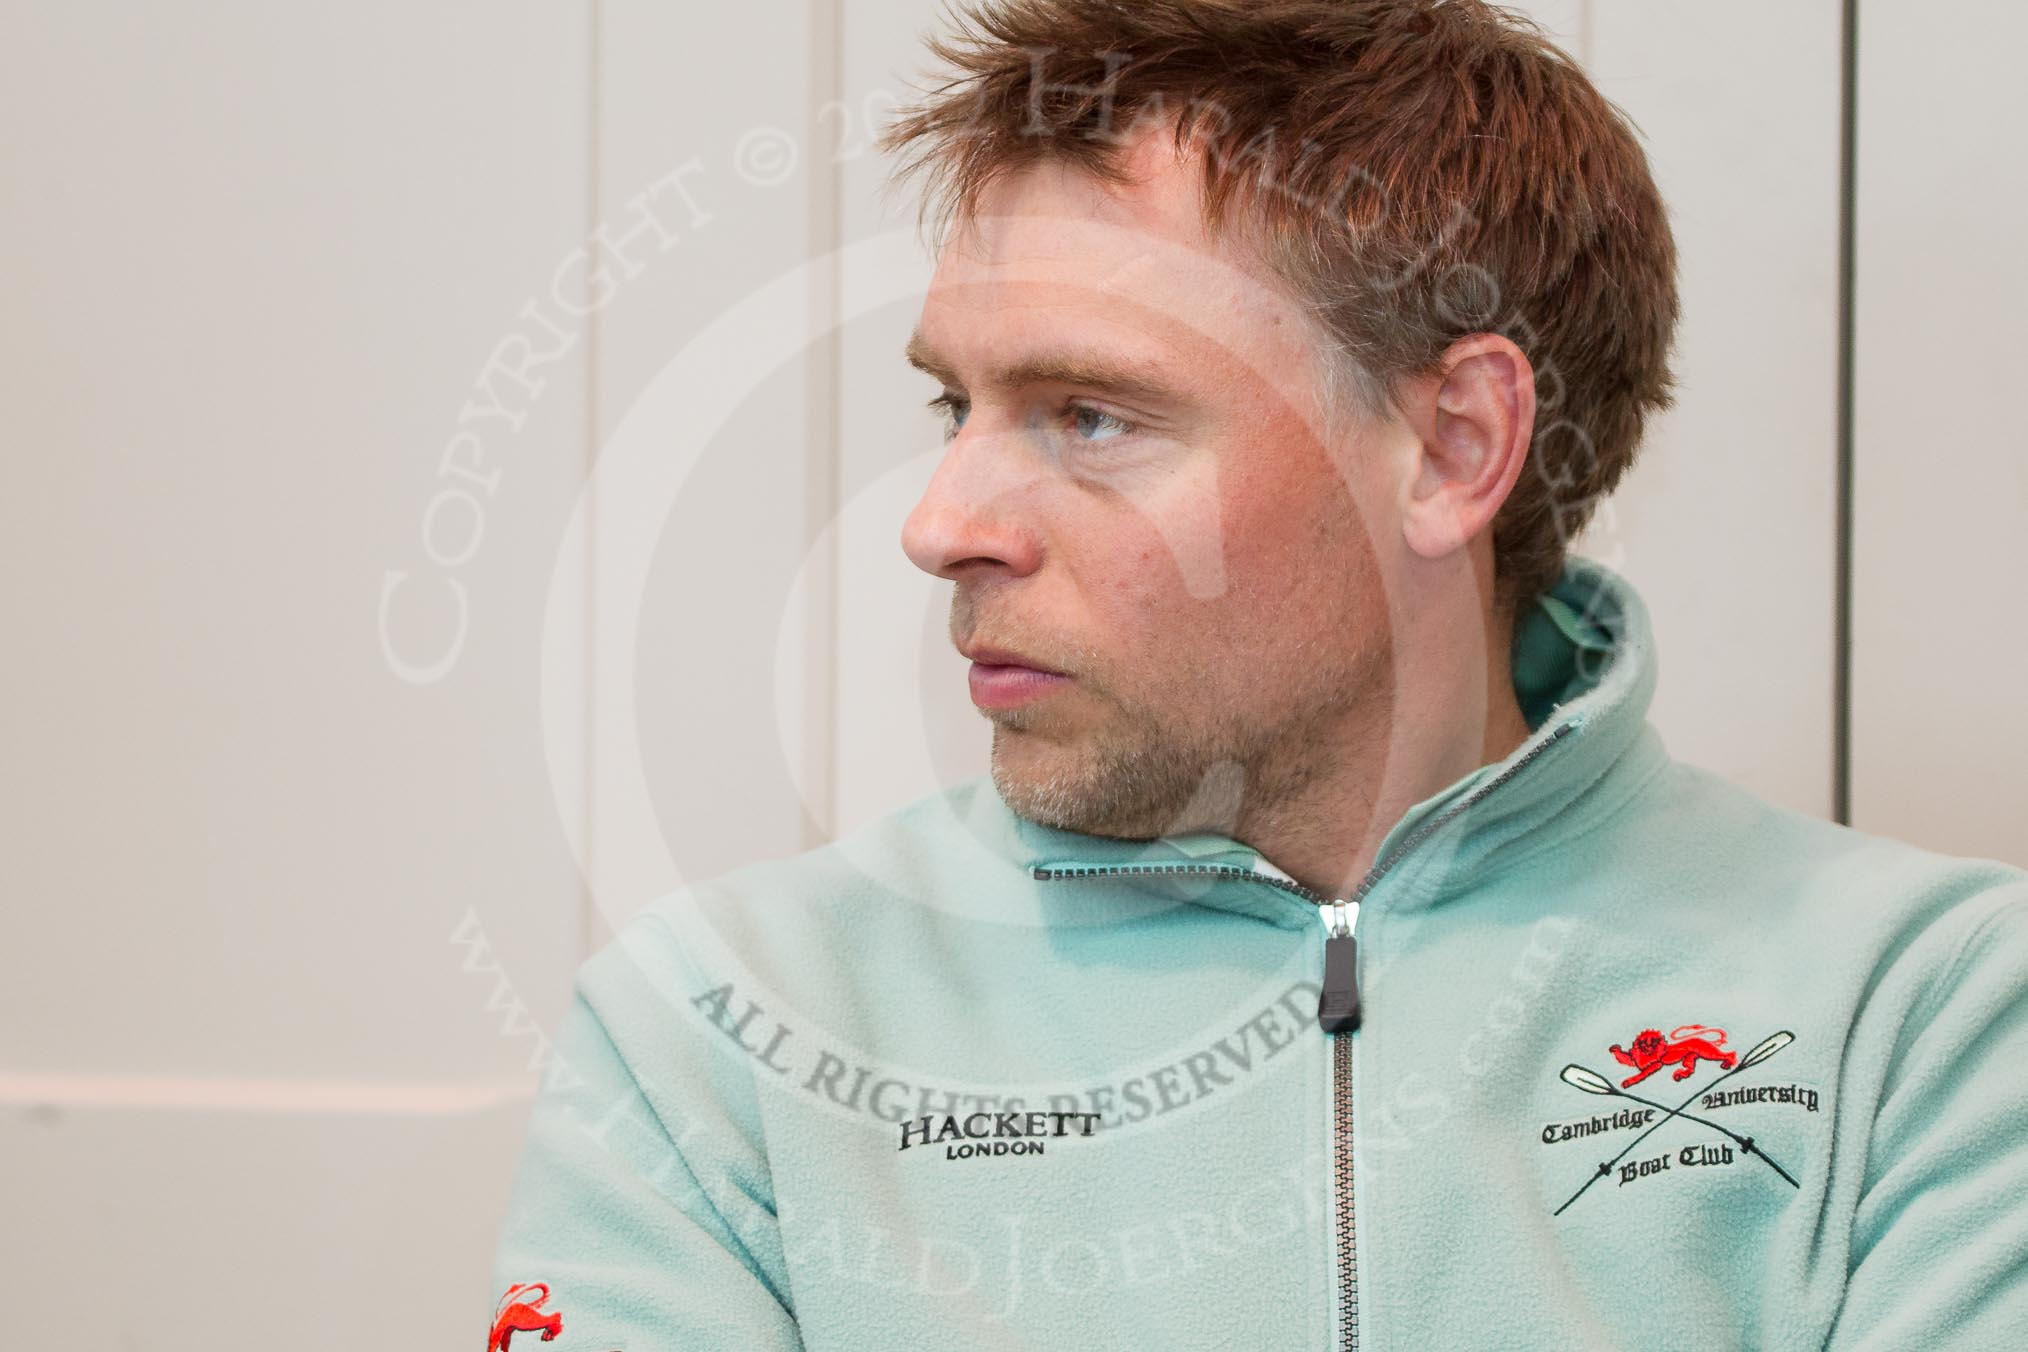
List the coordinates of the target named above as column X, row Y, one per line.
column 1338, row 1002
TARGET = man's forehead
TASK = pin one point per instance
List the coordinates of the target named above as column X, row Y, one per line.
column 1051, row 211
column 1015, row 256
column 1046, row 245
column 1071, row 317
column 1055, row 276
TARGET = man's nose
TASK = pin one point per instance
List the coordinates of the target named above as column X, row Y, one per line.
column 978, row 508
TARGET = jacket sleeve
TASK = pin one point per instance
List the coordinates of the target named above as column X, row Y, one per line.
column 628, row 1217
column 1939, row 1254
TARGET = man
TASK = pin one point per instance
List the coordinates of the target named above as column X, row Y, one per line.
column 1334, row 955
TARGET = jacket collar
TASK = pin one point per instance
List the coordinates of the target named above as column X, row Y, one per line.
column 1584, row 670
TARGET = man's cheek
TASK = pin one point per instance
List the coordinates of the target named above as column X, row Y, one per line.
column 1179, row 538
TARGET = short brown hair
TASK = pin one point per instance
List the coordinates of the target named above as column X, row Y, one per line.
column 1422, row 170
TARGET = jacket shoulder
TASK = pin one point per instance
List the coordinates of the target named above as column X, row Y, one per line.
column 1730, row 839
column 906, row 852
column 810, row 927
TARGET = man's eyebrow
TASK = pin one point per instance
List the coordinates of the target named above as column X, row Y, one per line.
column 1093, row 370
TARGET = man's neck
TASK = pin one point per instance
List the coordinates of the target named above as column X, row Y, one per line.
column 1452, row 713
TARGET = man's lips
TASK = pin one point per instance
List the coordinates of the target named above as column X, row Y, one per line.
column 1001, row 679
column 1005, row 657
column 1003, row 687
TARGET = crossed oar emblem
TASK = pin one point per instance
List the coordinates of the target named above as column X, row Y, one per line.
column 1591, row 1082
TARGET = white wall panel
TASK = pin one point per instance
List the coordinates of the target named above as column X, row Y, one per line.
column 1726, row 522
column 1940, row 460
column 235, row 1231
column 713, row 161
column 910, row 726
column 259, row 259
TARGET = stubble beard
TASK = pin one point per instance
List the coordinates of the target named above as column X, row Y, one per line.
column 1141, row 774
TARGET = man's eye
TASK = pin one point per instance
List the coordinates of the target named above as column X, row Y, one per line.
column 953, row 410
column 1085, row 416
column 1092, row 424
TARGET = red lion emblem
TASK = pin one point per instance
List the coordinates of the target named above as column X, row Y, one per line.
column 1688, row 1044
column 519, row 1314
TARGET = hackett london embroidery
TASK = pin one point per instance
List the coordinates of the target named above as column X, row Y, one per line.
column 1684, row 1047
column 990, row 1134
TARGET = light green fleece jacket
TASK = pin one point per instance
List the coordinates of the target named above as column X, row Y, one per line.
column 1638, row 1060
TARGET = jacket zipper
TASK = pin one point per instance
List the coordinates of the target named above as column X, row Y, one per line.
column 1338, row 1003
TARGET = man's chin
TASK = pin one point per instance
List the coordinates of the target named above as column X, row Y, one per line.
column 1095, row 788
column 1067, row 786
column 1042, row 782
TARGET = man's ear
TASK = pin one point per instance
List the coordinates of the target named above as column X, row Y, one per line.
column 1473, row 421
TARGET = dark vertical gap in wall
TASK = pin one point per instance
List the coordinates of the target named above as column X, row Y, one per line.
column 588, row 910
column 1841, row 678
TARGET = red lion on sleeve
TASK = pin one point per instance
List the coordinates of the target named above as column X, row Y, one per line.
column 518, row 1313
